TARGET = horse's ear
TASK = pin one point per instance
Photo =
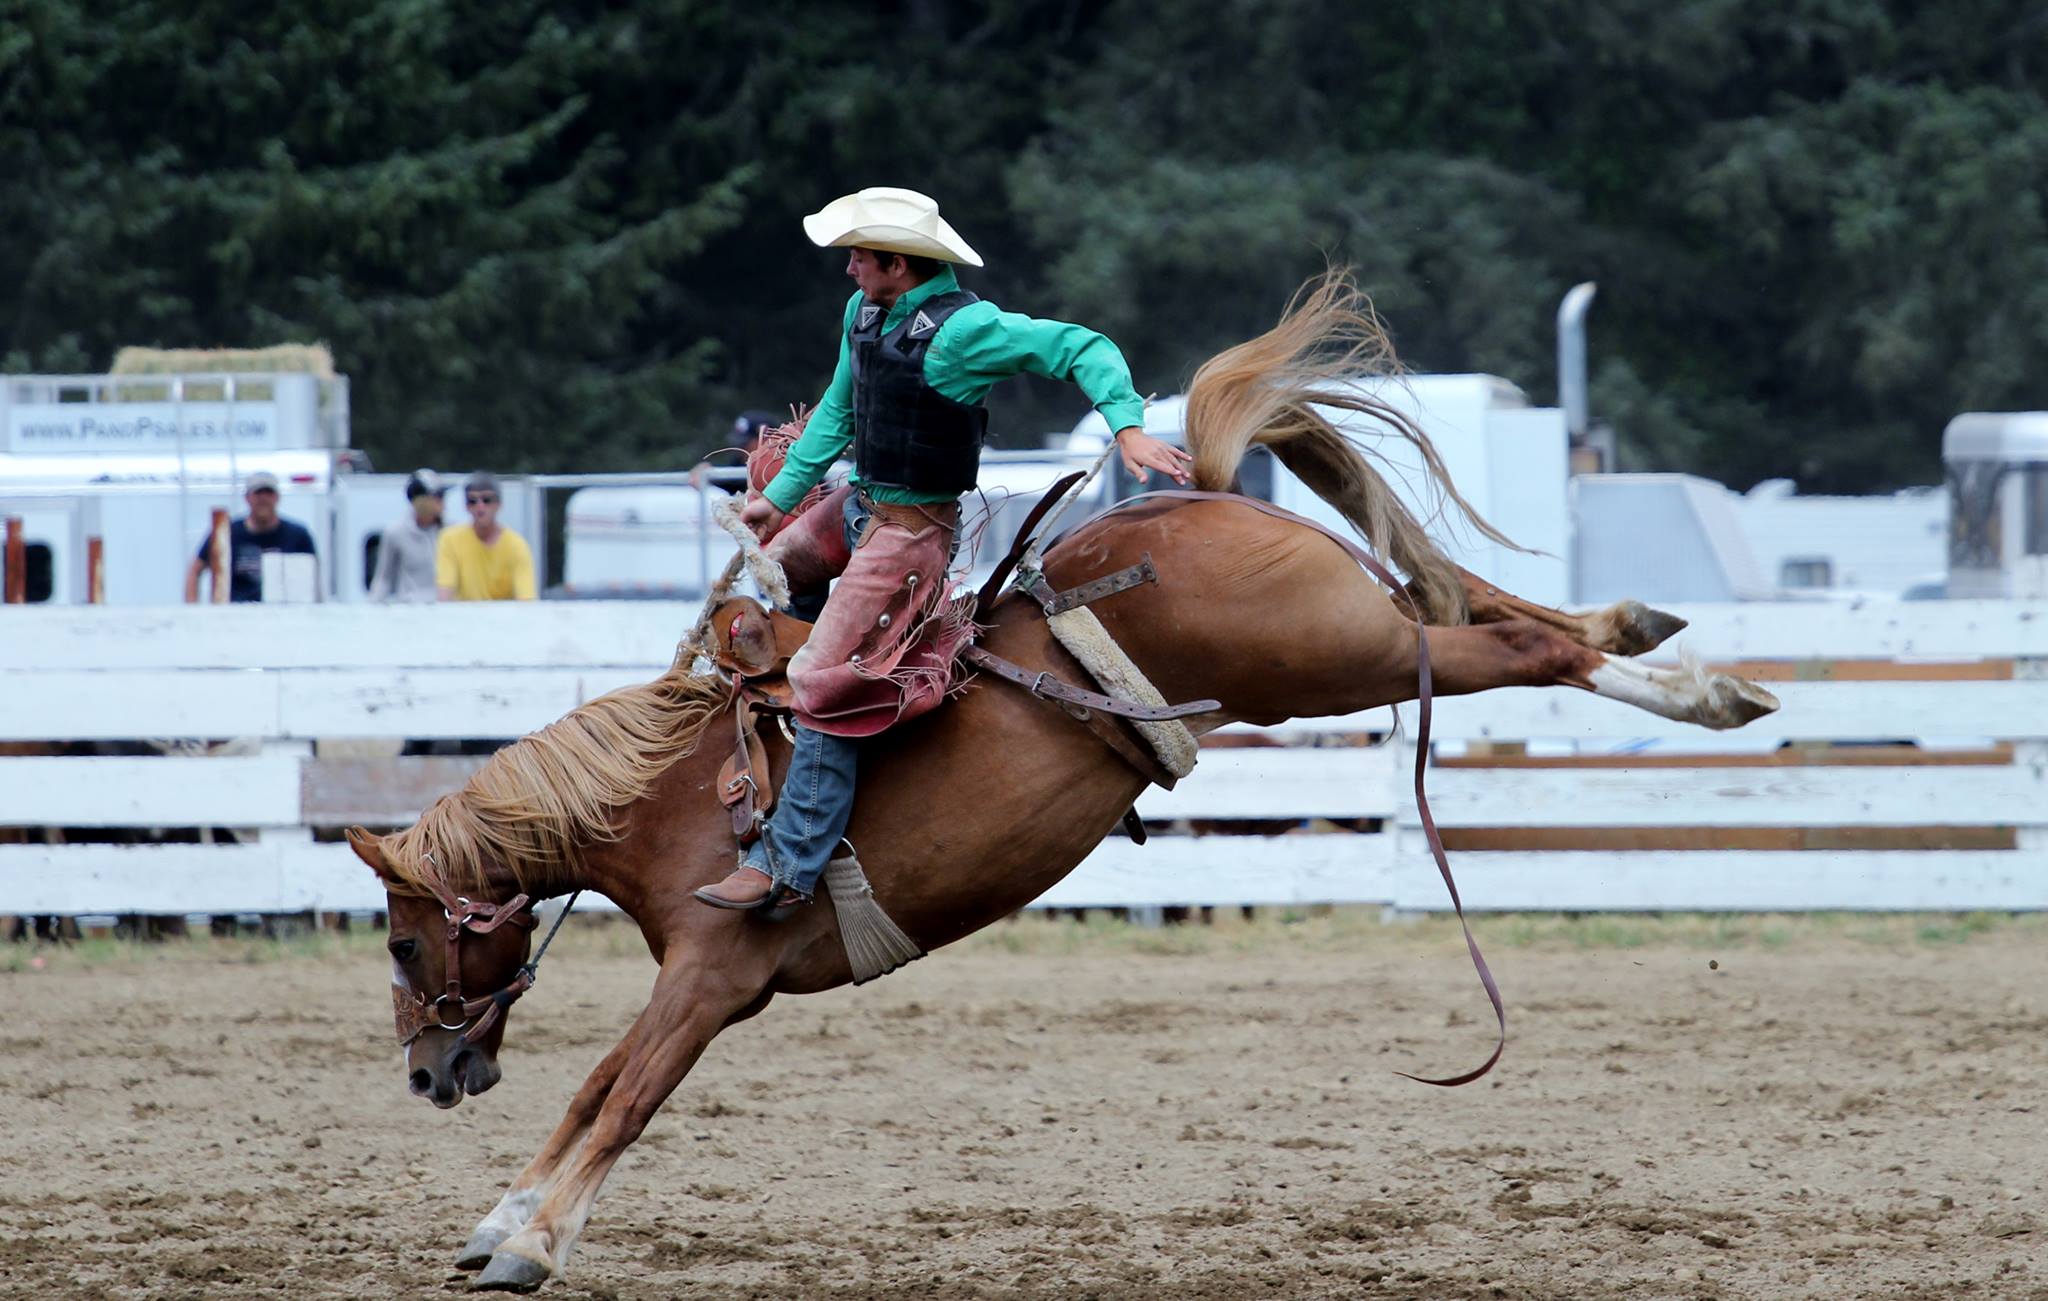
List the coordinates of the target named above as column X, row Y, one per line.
column 371, row 850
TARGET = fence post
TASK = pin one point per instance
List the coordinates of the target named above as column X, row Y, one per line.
column 2031, row 754
column 17, row 564
column 220, row 555
column 95, row 571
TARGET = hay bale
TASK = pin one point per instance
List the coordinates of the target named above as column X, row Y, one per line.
column 281, row 358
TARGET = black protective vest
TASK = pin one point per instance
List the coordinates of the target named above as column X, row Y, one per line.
column 907, row 434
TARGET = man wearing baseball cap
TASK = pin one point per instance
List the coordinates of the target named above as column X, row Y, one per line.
column 917, row 357
column 261, row 530
column 406, row 552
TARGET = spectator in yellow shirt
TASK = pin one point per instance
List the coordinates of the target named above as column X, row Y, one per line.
column 481, row 561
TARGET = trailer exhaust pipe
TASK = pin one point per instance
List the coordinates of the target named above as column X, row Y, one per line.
column 1571, row 359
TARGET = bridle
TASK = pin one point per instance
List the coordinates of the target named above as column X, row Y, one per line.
column 473, row 1017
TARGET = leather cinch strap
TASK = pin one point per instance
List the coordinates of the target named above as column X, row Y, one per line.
column 1041, row 683
column 1422, row 696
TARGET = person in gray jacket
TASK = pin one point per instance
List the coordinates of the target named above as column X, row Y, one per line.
column 405, row 558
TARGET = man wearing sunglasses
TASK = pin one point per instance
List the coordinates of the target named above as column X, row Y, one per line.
column 483, row 560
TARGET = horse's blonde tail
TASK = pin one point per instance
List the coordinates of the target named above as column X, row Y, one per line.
column 1266, row 391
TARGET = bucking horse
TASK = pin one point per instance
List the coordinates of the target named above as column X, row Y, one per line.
column 971, row 812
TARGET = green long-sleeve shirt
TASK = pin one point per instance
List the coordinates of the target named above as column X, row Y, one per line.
column 977, row 346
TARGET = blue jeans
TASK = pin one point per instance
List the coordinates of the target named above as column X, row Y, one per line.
column 816, row 799
column 811, row 811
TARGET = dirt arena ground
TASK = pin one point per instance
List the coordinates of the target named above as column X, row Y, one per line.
column 1748, row 1107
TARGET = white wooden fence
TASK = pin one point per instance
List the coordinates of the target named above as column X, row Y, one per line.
column 1724, row 829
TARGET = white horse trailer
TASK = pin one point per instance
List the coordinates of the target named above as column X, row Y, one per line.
column 1997, row 464
column 140, row 461
column 644, row 540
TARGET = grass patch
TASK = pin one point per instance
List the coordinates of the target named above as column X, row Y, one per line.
column 1099, row 933
column 1339, row 929
column 93, row 952
column 1959, row 928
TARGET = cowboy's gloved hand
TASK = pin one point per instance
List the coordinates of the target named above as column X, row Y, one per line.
column 762, row 516
column 1142, row 452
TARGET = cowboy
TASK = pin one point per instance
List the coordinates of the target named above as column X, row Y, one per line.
column 917, row 357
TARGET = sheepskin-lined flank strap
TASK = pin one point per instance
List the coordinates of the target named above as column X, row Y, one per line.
column 875, row 945
column 1089, row 642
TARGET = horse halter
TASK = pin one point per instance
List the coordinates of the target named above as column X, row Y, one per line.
column 451, row 1012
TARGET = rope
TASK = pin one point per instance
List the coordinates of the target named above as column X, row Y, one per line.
column 767, row 574
column 532, row 967
column 1073, row 495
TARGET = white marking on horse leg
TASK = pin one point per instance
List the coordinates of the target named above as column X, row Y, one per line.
column 510, row 1215
column 512, row 1212
column 1688, row 693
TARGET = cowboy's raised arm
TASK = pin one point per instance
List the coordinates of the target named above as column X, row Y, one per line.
column 983, row 344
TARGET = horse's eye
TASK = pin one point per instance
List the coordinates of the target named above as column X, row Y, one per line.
column 404, row 950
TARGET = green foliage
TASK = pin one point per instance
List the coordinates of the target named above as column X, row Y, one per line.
column 565, row 235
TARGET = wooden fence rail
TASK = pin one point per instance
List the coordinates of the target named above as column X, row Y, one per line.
column 1913, row 744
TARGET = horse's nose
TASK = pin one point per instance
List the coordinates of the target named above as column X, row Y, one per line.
column 422, row 1082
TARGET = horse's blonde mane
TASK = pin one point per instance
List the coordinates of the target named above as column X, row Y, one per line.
column 539, row 801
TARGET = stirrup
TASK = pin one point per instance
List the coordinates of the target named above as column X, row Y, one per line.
column 781, row 903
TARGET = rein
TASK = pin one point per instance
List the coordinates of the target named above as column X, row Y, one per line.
column 1422, row 696
column 472, row 1017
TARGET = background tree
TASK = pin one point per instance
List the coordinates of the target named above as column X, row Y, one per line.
column 565, row 236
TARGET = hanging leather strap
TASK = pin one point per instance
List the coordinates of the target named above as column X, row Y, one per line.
column 744, row 786
column 1422, row 696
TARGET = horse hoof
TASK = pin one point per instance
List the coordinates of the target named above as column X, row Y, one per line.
column 508, row 1272
column 1737, row 702
column 476, row 1253
column 1638, row 628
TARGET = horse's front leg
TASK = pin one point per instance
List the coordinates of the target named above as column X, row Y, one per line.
column 516, row 1207
column 690, row 1006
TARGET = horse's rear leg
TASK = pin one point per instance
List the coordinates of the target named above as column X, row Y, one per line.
column 690, row 1005
column 1624, row 628
column 1524, row 653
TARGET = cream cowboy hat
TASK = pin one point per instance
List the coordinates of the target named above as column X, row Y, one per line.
column 891, row 220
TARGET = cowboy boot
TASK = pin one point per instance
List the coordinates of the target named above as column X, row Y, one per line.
column 749, row 889
column 745, row 889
